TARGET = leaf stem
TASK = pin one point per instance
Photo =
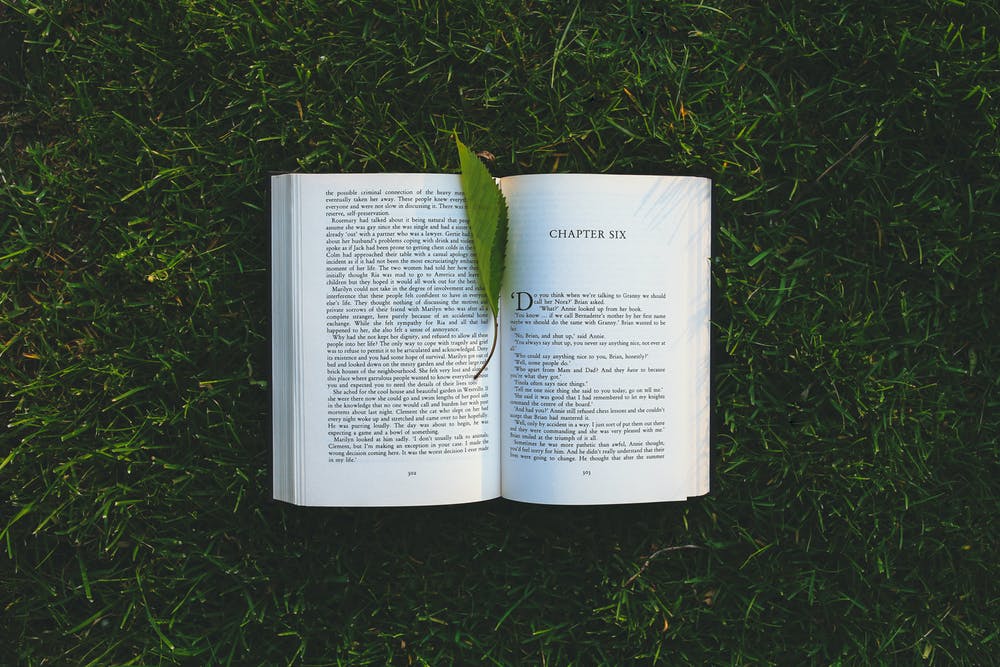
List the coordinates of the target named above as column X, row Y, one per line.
column 496, row 329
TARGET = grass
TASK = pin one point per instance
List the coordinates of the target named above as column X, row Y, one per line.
column 853, row 149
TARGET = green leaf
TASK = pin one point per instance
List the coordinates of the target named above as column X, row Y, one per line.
column 487, row 211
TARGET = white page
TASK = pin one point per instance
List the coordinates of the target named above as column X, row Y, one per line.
column 605, row 375
column 392, row 329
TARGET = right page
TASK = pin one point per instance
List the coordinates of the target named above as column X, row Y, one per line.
column 605, row 341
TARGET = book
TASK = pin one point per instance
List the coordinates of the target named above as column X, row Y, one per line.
column 598, row 392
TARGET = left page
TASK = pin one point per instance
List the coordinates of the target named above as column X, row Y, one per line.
column 388, row 327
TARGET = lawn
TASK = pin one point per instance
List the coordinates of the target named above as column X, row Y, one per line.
column 853, row 517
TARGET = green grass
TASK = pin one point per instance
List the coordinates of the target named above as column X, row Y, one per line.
column 853, row 514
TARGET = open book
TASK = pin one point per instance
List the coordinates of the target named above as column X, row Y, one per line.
column 599, row 389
